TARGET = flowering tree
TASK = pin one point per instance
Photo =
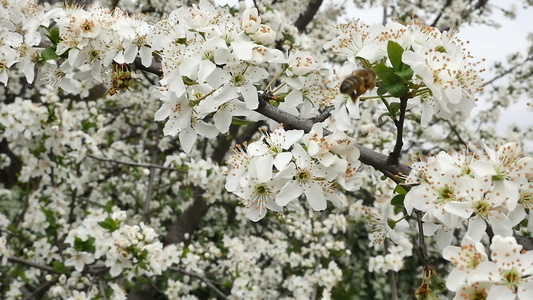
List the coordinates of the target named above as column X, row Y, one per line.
column 156, row 149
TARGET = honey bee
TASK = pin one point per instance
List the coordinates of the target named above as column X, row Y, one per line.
column 358, row 83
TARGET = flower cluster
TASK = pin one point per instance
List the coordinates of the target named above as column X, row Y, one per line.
column 104, row 240
column 275, row 170
column 489, row 190
column 508, row 275
column 444, row 81
column 85, row 44
column 22, row 120
column 19, row 36
column 385, row 224
column 211, row 65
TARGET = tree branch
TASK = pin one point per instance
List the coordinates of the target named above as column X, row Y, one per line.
column 369, row 157
column 154, row 68
column 205, row 280
column 39, row 293
column 392, row 278
column 150, row 188
column 446, row 5
column 188, row 221
column 148, row 166
column 377, row 160
column 421, row 241
column 32, row 264
column 529, row 58
column 454, row 130
column 306, row 17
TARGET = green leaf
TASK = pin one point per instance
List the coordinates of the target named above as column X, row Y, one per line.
column 188, row 81
column 386, row 74
column 86, row 125
column 109, row 206
column 395, row 51
column 383, row 118
column 39, row 150
column 394, row 108
column 240, row 122
column 397, row 200
column 391, row 223
column 60, row 267
column 399, row 189
column 54, row 36
column 110, row 224
column 382, row 89
column 406, row 73
column 397, row 89
column 52, row 221
column 182, row 41
column 438, row 283
column 87, row 246
column 143, row 255
column 49, row 53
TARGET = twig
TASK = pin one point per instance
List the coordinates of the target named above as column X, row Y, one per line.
column 135, row 164
column 42, row 289
column 101, row 288
column 508, row 71
column 154, row 68
column 394, row 156
column 315, row 286
column 32, row 264
column 454, row 130
column 421, row 241
column 205, row 280
column 392, row 277
column 323, row 116
column 385, row 14
column 150, row 188
column 446, row 5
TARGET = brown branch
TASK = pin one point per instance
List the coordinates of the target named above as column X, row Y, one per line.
column 377, row 160
column 148, row 166
column 529, row 58
column 446, row 5
column 203, row 279
column 32, row 264
column 188, row 221
column 154, row 68
column 454, row 130
column 422, row 250
column 39, row 293
column 8, row 175
column 526, row 242
column 307, row 16
column 323, row 116
column 479, row 6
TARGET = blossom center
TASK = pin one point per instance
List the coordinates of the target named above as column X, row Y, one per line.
column 482, row 208
column 512, row 278
column 303, row 175
column 446, row 194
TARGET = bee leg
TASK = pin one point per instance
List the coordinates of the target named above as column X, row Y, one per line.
column 354, row 97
